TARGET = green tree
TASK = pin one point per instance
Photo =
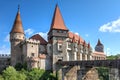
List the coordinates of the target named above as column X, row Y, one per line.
column 11, row 74
column 1, row 77
column 34, row 74
column 103, row 73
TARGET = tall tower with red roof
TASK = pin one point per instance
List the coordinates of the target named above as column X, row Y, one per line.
column 16, row 36
column 57, row 36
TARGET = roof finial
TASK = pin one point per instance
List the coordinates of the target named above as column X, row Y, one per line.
column 18, row 7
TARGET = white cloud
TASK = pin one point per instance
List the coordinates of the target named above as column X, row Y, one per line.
column 44, row 35
column 4, row 50
column 7, row 38
column 76, row 33
column 113, row 26
column 29, row 31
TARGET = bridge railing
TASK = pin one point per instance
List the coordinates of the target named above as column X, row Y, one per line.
column 92, row 63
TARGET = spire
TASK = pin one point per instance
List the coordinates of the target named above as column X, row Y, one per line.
column 57, row 21
column 18, row 8
column 89, row 45
column 17, row 26
column 99, row 42
column 84, row 43
column 79, row 41
column 73, row 39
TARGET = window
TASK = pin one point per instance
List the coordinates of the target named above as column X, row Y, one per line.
column 59, row 47
column 64, row 31
column 60, row 31
column 33, row 54
column 69, row 45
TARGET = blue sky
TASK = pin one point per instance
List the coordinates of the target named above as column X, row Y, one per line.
column 91, row 19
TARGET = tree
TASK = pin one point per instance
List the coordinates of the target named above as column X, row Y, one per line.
column 103, row 73
column 11, row 74
column 35, row 74
column 1, row 77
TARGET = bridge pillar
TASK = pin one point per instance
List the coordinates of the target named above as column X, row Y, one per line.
column 87, row 73
column 69, row 73
column 114, row 74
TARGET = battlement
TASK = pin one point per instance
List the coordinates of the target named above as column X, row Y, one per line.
column 5, row 55
column 32, row 41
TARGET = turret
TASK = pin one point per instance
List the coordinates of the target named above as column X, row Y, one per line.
column 58, row 27
column 16, row 36
column 57, row 36
column 99, row 47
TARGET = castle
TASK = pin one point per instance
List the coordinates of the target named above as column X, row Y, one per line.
column 62, row 45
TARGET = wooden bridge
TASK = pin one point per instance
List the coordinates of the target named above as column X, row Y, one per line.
column 92, row 63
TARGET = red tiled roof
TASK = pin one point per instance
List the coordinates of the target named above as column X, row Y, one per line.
column 38, row 37
column 75, row 37
column 70, row 35
column 17, row 26
column 57, row 21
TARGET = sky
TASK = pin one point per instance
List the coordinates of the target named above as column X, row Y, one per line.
column 91, row 19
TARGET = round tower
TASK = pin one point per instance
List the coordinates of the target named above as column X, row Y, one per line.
column 16, row 36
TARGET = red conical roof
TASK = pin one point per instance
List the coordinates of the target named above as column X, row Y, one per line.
column 73, row 39
column 84, row 43
column 88, row 45
column 57, row 21
column 17, row 26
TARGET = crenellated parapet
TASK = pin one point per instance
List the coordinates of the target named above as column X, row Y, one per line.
column 31, row 41
column 5, row 55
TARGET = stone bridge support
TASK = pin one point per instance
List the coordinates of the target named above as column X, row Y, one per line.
column 70, row 73
column 87, row 73
column 114, row 74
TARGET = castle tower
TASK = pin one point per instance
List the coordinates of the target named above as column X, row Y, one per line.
column 16, row 36
column 99, row 47
column 57, row 36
